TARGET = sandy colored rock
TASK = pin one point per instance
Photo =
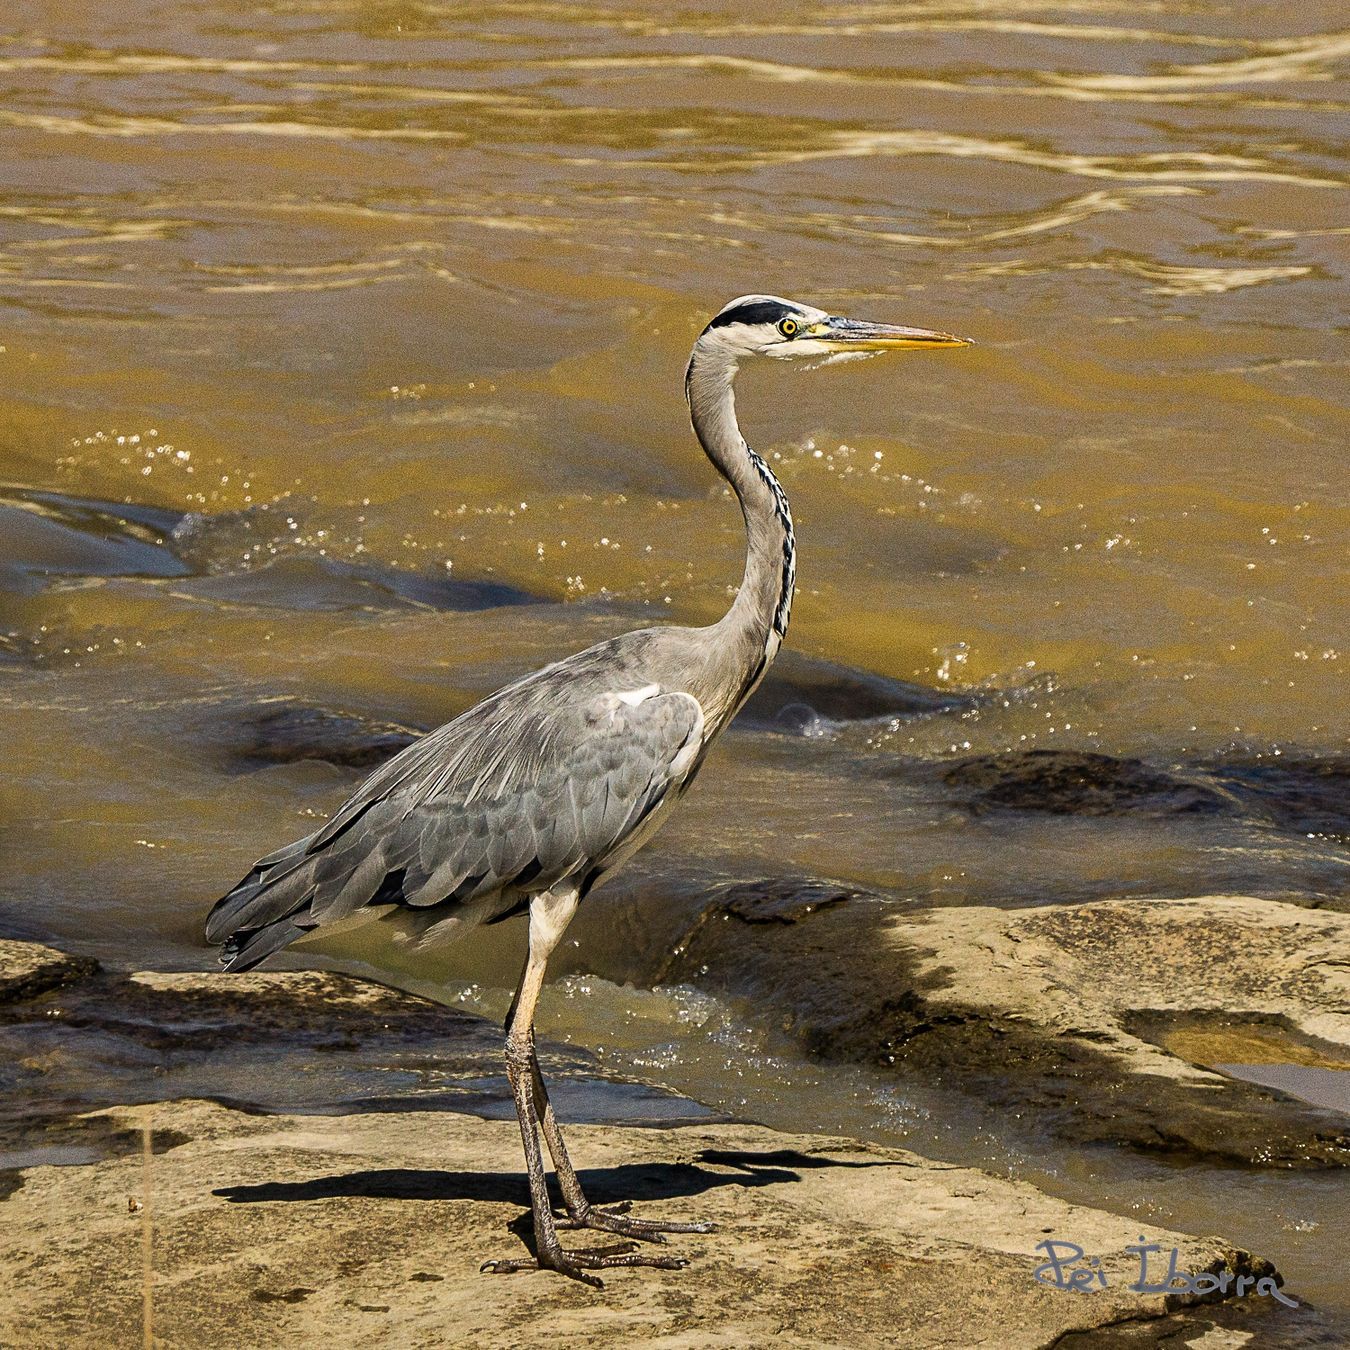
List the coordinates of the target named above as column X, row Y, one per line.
column 1085, row 970
column 1062, row 1011
column 28, row 969
column 369, row 1230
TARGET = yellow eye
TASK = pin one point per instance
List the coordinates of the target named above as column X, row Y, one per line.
column 788, row 327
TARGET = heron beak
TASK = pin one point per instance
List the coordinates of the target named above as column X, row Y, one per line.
column 853, row 335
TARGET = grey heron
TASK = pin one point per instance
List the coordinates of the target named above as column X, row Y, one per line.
column 526, row 802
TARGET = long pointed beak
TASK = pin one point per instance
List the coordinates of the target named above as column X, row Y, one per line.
column 854, row 335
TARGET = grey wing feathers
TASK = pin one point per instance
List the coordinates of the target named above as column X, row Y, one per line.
column 535, row 784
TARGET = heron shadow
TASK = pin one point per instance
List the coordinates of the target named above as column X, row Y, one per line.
column 603, row 1185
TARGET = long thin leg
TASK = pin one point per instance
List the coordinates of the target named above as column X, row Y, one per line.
column 549, row 916
column 580, row 1212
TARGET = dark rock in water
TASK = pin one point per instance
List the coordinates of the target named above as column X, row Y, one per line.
column 780, row 900
column 45, row 535
column 1077, row 783
column 443, row 592
column 1307, row 796
column 839, row 694
column 306, row 582
column 296, row 732
column 48, row 534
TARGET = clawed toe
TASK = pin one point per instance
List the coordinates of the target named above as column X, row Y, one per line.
column 615, row 1220
column 575, row 1264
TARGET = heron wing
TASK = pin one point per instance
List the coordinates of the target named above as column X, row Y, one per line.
column 537, row 783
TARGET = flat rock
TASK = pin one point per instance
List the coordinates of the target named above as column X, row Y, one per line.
column 28, row 969
column 297, row 1041
column 361, row 1230
column 1071, row 967
column 1047, row 1010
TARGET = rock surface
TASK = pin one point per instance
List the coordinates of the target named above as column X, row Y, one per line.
column 1041, row 1009
column 75, row 1037
column 1076, row 968
column 28, row 969
column 369, row 1230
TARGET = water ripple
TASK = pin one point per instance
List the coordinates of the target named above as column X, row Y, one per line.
column 1167, row 166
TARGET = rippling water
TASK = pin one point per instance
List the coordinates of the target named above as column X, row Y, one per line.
column 330, row 327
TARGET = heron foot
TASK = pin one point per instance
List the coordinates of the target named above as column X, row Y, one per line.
column 615, row 1220
column 575, row 1264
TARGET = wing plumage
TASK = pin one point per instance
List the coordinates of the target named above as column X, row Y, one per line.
column 538, row 783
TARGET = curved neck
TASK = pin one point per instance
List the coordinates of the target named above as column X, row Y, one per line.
column 759, row 615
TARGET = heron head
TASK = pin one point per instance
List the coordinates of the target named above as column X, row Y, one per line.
column 767, row 325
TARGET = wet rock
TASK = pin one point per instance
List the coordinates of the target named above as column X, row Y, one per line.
column 345, row 1231
column 1031, row 1010
column 780, row 900
column 1228, row 1326
column 1078, row 783
column 320, row 1009
column 1302, row 795
column 45, row 535
column 308, row 1041
column 798, row 686
column 304, row 582
column 28, row 969
column 290, row 732
column 293, row 732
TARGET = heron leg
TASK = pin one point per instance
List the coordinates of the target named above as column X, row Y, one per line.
column 580, row 1212
column 549, row 915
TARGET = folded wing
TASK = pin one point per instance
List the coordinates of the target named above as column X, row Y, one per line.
column 534, row 785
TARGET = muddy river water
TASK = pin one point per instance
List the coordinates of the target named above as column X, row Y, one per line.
column 340, row 359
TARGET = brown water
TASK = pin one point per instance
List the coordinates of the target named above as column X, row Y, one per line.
column 328, row 324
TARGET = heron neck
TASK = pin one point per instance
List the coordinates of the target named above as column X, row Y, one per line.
column 759, row 615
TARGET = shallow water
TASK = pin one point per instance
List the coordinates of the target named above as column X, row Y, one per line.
column 340, row 365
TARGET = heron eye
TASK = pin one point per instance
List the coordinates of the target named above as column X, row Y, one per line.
column 788, row 327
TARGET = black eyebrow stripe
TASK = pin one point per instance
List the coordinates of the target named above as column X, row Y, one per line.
column 757, row 311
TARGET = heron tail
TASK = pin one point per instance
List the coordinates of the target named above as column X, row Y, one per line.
column 265, row 911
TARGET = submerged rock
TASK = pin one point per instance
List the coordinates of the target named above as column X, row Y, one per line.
column 308, row 582
column 799, row 689
column 293, row 732
column 45, row 535
column 350, row 1231
column 1308, row 795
